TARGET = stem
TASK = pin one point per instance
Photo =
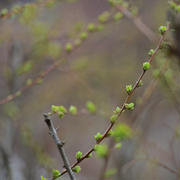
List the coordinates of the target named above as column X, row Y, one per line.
column 123, row 105
column 60, row 145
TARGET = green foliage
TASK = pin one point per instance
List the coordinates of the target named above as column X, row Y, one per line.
column 174, row 6
column 91, row 27
column 55, row 173
column 121, row 132
column 29, row 82
column 151, row 52
column 91, row 107
column 162, row 29
column 83, row 35
column 4, row 12
column 69, row 47
column 54, row 50
column 79, row 155
column 110, row 172
column 60, row 110
column 76, row 169
column 113, row 118
column 140, row 83
column 43, row 178
column 117, row 110
column 101, row 150
column 100, row 27
column 118, row 146
column 104, row 17
column 98, row 136
column 118, row 16
column 129, row 88
column 73, row 110
column 146, row 66
column 129, row 106
column 25, row 68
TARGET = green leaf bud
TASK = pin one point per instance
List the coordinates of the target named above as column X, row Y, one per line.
column 162, row 29
column 113, row 118
column 151, row 52
column 122, row 132
column 101, row 150
column 73, row 110
column 118, row 146
column 98, row 136
column 146, row 66
column 104, row 17
column 4, row 12
column 90, row 155
column 117, row 110
column 55, row 173
column 140, row 83
column 69, row 47
column 91, row 107
column 83, row 35
column 91, row 27
column 79, row 155
column 76, row 169
column 118, row 16
column 129, row 106
column 129, row 88
column 43, row 178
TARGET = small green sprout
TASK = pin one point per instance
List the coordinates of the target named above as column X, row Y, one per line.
column 55, row 173
column 101, row 150
column 4, row 12
column 118, row 16
column 69, row 47
column 104, row 17
column 79, row 155
column 110, row 172
column 113, row 118
column 117, row 110
column 140, row 84
column 162, row 29
column 129, row 106
column 151, row 52
column 83, row 35
column 73, row 110
column 118, row 146
column 129, row 89
column 98, row 136
column 90, row 155
column 76, row 169
column 146, row 66
column 122, row 132
column 60, row 114
column 43, row 178
column 91, row 27
column 91, row 107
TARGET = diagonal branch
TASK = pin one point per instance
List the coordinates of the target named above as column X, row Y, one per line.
column 59, row 144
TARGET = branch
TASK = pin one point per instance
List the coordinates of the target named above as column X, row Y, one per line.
column 60, row 145
column 138, row 23
column 125, row 102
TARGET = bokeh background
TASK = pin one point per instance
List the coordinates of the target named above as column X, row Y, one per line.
column 98, row 71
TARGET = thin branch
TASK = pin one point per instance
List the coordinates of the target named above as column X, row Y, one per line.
column 138, row 23
column 125, row 102
column 60, row 145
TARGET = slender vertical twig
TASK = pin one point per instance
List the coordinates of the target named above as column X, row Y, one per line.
column 60, row 145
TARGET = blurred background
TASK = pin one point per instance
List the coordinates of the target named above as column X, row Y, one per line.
column 38, row 70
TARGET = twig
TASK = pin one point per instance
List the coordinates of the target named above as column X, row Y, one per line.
column 138, row 23
column 60, row 145
column 125, row 102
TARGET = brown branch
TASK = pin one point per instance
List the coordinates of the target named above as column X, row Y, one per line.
column 60, row 145
column 138, row 23
column 123, row 105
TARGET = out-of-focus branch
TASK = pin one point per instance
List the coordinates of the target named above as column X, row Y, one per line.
column 138, row 23
column 60, row 145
